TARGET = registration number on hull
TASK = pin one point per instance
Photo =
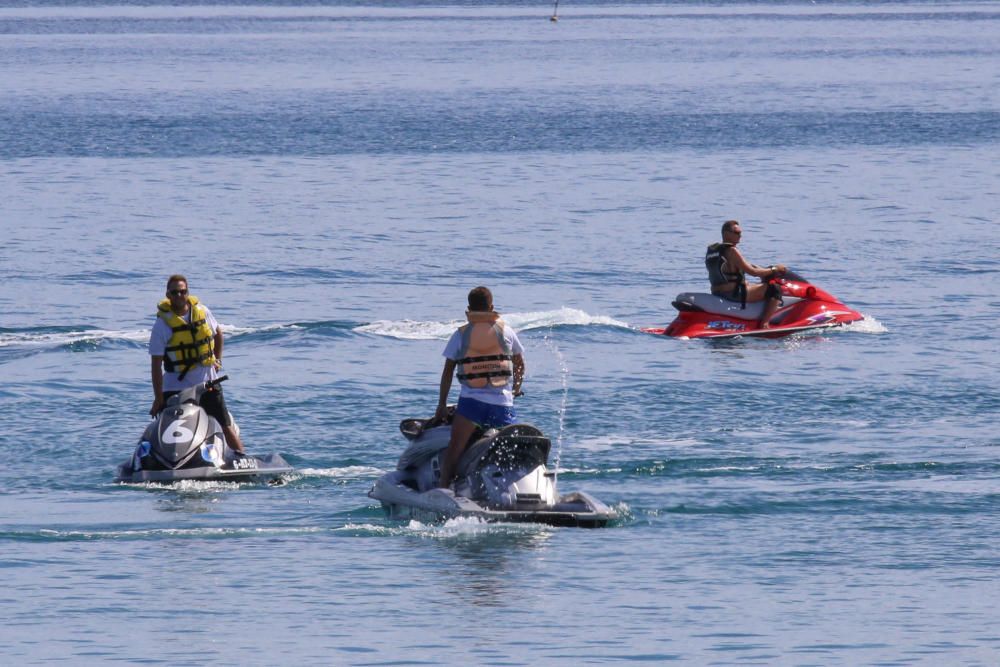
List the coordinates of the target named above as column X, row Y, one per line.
column 245, row 464
column 725, row 325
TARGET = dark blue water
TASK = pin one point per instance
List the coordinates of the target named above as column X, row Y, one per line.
column 334, row 178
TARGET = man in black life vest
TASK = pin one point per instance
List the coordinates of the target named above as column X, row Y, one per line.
column 185, row 349
column 727, row 269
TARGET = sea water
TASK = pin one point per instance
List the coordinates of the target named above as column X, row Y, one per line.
column 334, row 177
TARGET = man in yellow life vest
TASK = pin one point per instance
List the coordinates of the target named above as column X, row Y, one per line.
column 489, row 361
column 185, row 349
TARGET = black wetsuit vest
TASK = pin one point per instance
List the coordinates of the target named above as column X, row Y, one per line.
column 717, row 274
column 715, row 262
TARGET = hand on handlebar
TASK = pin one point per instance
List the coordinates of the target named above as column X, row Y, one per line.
column 440, row 415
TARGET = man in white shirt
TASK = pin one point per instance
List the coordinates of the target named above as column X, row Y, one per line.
column 489, row 361
column 185, row 349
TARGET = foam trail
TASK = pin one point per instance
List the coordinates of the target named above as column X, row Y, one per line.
column 561, row 317
column 233, row 330
column 68, row 337
column 416, row 330
column 411, row 329
column 868, row 325
column 455, row 528
column 349, row 472
column 54, row 339
column 191, row 486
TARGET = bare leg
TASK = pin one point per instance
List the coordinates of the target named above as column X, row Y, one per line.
column 232, row 439
column 461, row 431
column 769, row 308
column 757, row 293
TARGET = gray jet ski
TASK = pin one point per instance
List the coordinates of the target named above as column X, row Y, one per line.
column 184, row 443
column 502, row 476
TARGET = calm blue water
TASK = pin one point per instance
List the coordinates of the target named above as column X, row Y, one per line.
column 334, row 177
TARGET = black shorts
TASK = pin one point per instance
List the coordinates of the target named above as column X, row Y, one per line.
column 214, row 404
column 730, row 295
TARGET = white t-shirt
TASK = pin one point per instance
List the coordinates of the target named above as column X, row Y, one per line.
column 492, row 395
column 158, row 345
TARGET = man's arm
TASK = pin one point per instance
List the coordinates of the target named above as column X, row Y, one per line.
column 518, row 373
column 446, row 374
column 739, row 261
column 156, row 375
column 217, row 347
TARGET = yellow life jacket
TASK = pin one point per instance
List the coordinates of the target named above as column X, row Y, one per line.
column 191, row 343
column 485, row 358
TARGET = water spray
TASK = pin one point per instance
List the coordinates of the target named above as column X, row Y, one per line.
column 564, row 376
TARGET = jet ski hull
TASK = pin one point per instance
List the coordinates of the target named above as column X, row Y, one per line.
column 245, row 469
column 728, row 329
column 575, row 510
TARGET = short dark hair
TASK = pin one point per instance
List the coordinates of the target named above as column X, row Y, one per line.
column 176, row 278
column 480, row 299
column 728, row 225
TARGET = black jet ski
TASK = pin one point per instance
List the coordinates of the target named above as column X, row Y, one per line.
column 184, row 443
column 502, row 476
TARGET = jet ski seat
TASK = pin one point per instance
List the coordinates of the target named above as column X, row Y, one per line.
column 710, row 303
column 426, row 442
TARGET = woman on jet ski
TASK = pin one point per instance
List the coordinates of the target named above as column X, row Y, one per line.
column 489, row 361
column 727, row 269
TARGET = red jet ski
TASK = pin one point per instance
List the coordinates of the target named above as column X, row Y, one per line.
column 804, row 307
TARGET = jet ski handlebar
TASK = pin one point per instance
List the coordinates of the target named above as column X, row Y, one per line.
column 212, row 384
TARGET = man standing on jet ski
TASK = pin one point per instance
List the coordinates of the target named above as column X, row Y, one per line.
column 489, row 359
column 727, row 269
column 185, row 349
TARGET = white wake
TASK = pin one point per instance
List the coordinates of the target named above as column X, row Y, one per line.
column 417, row 330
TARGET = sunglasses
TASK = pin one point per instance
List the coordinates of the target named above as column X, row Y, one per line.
column 177, row 292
